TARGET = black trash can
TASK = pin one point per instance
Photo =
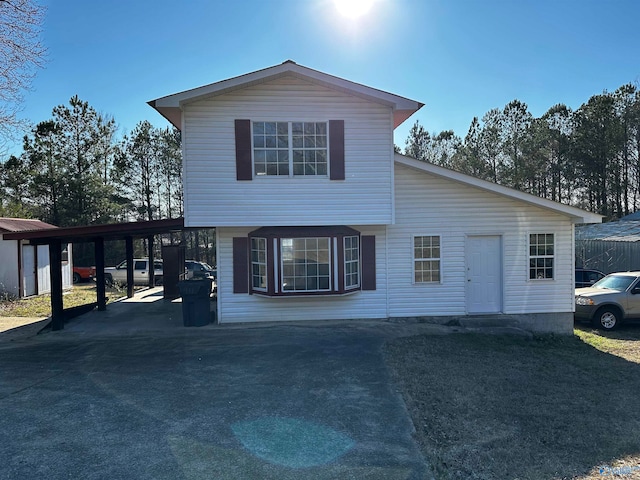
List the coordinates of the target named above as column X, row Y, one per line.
column 195, row 302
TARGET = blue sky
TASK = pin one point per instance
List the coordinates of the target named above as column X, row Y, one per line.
column 459, row 57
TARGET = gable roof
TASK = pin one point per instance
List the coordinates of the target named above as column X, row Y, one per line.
column 170, row 106
column 577, row 215
column 22, row 224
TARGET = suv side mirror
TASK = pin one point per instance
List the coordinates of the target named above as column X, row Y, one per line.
column 635, row 290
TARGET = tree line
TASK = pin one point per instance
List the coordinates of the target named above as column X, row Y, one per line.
column 75, row 170
column 587, row 158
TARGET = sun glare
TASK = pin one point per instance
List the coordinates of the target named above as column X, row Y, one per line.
column 353, row 8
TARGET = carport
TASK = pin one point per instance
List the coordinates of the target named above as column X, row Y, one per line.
column 96, row 234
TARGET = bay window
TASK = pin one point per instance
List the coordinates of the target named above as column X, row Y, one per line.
column 290, row 261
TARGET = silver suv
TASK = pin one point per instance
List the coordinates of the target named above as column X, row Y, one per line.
column 610, row 301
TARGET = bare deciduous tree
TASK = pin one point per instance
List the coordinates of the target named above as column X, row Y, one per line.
column 21, row 53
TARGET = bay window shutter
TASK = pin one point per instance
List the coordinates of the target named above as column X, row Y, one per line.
column 368, row 247
column 336, row 149
column 240, row 265
column 243, row 150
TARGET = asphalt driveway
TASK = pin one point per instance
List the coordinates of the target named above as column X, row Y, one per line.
column 267, row 402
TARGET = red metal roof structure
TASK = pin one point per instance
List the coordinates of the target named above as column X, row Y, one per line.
column 22, row 224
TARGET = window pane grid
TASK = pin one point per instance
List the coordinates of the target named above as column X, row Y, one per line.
column 306, row 265
column 309, row 148
column 541, row 256
column 283, row 147
column 271, row 148
column 259, row 263
column 351, row 262
column 426, row 259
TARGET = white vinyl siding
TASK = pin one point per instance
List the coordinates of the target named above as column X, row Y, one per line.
column 429, row 205
column 254, row 308
column 213, row 196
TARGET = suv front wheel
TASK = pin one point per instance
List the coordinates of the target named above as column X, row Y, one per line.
column 607, row 318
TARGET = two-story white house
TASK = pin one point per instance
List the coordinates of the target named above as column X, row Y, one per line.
column 317, row 218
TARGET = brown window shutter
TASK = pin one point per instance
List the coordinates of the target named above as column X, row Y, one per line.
column 243, row 150
column 368, row 252
column 240, row 265
column 336, row 149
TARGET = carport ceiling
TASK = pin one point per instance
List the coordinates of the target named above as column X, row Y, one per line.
column 110, row 231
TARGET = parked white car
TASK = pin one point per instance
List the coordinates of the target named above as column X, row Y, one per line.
column 140, row 272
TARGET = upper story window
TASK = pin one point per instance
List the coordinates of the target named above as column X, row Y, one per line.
column 271, row 154
column 287, row 149
column 541, row 256
column 290, row 148
column 426, row 259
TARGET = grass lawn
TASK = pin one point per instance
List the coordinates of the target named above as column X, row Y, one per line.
column 506, row 407
column 40, row 306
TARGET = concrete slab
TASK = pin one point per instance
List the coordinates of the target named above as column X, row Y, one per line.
column 161, row 401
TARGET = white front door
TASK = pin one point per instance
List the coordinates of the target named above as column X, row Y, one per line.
column 29, row 270
column 484, row 274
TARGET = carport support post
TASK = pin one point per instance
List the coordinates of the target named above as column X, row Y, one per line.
column 152, row 267
column 55, row 274
column 98, row 250
column 129, row 254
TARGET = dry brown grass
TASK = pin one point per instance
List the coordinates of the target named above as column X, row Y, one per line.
column 502, row 407
column 40, row 306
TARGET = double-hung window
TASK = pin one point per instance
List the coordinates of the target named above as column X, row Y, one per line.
column 351, row 261
column 259, row 264
column 541, row 256
column 426, row 259
column 290, row 148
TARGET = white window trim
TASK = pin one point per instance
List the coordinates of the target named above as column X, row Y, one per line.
column 290, row 148
column 413, row 260
column 276, row 265
column 529, row 256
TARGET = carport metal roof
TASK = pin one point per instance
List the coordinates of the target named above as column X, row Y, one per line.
column 55, row 237
column 89, row 233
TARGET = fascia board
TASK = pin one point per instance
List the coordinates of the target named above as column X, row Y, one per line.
column 396, row 102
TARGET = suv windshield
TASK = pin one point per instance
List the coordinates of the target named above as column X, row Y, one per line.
column 615, row 282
